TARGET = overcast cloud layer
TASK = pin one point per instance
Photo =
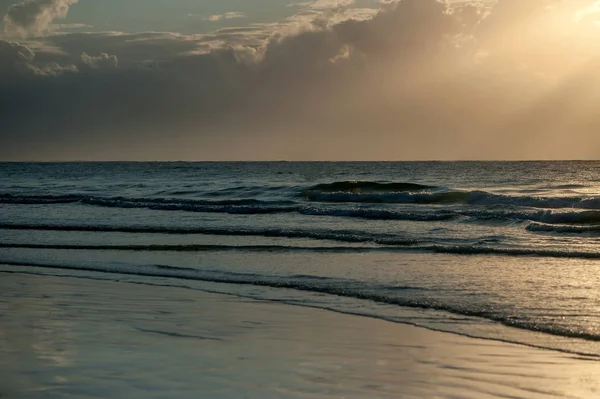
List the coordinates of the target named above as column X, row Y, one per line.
column 416, row 79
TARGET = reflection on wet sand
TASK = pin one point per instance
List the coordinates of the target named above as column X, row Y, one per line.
column 63, row 337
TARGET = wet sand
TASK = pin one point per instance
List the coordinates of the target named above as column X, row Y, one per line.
column 64, row 337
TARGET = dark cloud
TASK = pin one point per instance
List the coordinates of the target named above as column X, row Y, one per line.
column 19, row 61
column 14, row 58
column 417, row 80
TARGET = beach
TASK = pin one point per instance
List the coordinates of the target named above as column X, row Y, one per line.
column 300, row 280
column 65, row 337
column 299, row 199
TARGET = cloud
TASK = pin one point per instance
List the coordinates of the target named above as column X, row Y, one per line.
column 415, row 80
column 227, row 15
column 34, row 17
column 14, row 58
column 325, row 4
column 102, row 61
column 61, row 27
column 18, row 60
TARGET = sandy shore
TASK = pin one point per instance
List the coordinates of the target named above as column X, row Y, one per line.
column 76, row 338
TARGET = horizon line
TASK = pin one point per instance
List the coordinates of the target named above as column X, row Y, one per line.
column 304, row 161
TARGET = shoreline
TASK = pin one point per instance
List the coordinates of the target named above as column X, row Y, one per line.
column 491, row 330
column 63, row 337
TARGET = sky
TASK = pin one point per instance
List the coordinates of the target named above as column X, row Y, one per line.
column 299, row 80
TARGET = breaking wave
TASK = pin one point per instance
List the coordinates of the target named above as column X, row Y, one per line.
column 454, row 197
column 255, row 206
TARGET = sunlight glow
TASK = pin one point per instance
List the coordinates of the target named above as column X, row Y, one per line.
column 585, row 12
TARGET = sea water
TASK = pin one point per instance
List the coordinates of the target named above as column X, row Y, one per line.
column 500, row 250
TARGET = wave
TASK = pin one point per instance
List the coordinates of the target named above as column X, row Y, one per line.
column 340, row 287
column 566, row 186
column 451, row 197
column 537, row 252
column 366, row 186
column 8, row 198
column 349, row 236
column 133, row 202
column 548, row 228
column 384, row 242
column 577, row 221
column 252, row 206
column 240, row 206
column 199, row 248
column 484, row 198
column 412, row 193
column 543, row 216
column 379, row 214
column 17, row 199
column 243, row 206
column 234, row 206
column 455, row 197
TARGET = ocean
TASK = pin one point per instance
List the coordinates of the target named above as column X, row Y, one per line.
column 506, row 251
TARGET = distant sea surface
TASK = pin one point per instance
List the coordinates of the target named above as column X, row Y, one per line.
column 500, row 250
